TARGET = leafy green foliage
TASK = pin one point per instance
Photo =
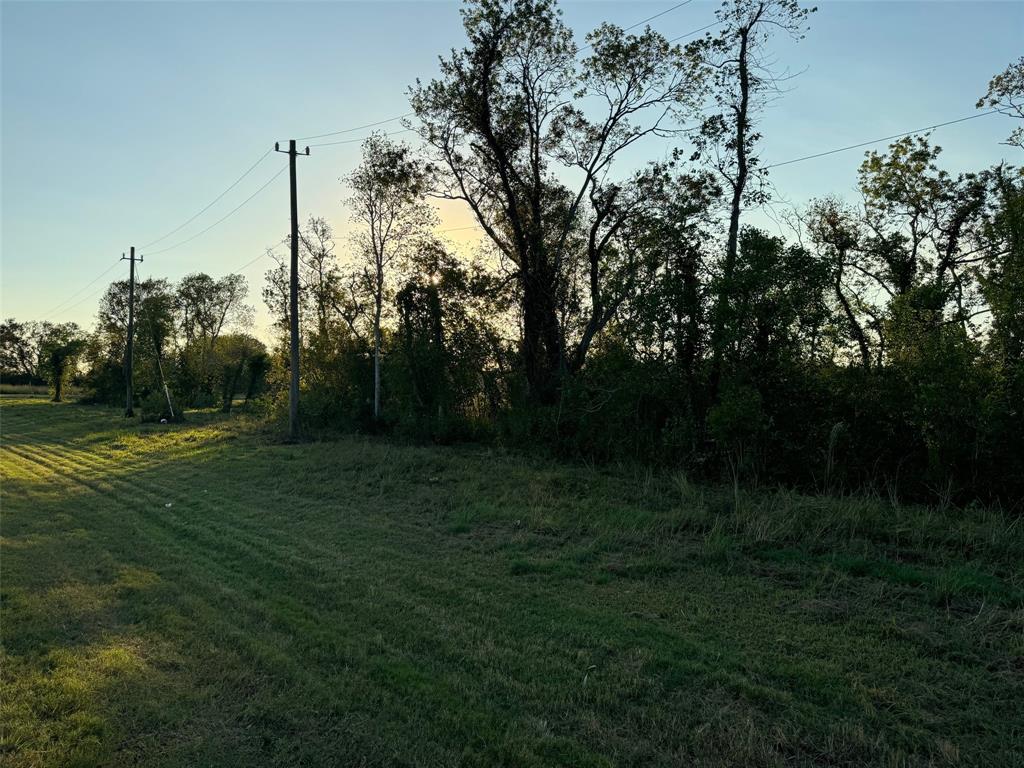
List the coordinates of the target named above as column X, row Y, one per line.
column 59, row 349
column 1006, row 94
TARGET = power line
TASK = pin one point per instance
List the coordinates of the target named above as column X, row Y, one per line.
column 250, row 263
column 267, row 253
column 407, row 130
column 81, row 301
column 879, row 141
column 61, row 308
column 459, row 229
column 643, row 21
column 410, row 114
column 655, row 16
column 356, row 141
column 828, row 152
column 217, row 198
column 79, row 291
column 357, row 128
column 223, row 218
column 694, row 32
column 94, row 294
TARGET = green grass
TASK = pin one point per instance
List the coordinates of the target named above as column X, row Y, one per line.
column 203, row 595
column 25, row 390
column 71, row 392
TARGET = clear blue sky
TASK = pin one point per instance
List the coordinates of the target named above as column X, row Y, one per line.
column 121, row 120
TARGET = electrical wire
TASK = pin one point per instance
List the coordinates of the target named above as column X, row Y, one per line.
column 694, row 32
column 223, row 218
column 410, row 114
column 267, row 253
column 249, row 263
column 211, row 204
column 81, row 301
column 657, row 15
column 62, row 308
column 459, row 229
column 92, row 282
column 879, row 141
column 357, row 128
column 357, row 140
column 643, row 21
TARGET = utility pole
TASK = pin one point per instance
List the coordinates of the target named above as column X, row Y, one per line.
column 293, row 297
column 128, row 361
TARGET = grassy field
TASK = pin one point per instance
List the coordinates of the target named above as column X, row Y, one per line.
column 201, row 595
column 25, row 390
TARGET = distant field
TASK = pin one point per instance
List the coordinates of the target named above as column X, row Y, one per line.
column 26, row 390
column 201, row 595
column 36, row 390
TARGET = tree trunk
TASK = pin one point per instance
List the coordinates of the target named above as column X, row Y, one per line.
column 376, row 367
column 542, row 356
column 858, row 332
column 440, row 361
column 738, row 188
column 231, row 377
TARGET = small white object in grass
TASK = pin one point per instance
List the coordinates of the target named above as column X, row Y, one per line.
column 169, row 503
column 163, row 421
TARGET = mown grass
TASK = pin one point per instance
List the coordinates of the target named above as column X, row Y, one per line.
column 203, row 595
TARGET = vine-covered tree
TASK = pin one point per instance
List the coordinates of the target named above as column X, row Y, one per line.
column 509, row 124
column 59, row 349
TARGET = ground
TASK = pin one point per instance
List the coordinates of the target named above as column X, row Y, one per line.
column 205, row 595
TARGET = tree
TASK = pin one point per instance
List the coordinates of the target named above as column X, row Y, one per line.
column 449, row 319
column 743, row 83
column 233, row 353
column 1000, row 271
column 256, row 370
column 19, row 348
column 836, row 229
column 664, row 319
column 924, row 234
column 205, row 307
column 322, row 279
column 155, row 332
column 387, row 201
column 60, row 347
column 1006, row 95
column 506, row 121
column 779, row 310
column 154, row 323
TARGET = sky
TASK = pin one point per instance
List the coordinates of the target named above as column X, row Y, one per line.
column 122, row 120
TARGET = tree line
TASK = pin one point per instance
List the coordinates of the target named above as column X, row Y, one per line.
column 622, row 309
column 186, row 354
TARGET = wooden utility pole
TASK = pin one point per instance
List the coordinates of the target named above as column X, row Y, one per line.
column 293, row 297
column 128, row 360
